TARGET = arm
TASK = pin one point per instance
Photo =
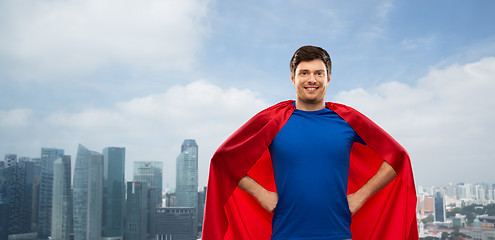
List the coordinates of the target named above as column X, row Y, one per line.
column 267, row 199
column 383, row 177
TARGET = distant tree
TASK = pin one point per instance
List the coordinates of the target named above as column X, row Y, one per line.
column 429, row 238
column 453, row 211
column 445, row 235
column 490, row 209
column 456, row 235
column 428, row 219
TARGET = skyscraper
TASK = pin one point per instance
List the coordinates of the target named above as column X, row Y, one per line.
column 187, row 177
column 88, row 191
column 440, row 207
column 4, row 201
column 17, row 182
column 137, row 211
column 62, row 218
column 113, row 193
column 150, row 173
column 10, row 160
column 48, row 156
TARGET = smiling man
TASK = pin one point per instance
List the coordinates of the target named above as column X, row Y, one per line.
column 300, row 169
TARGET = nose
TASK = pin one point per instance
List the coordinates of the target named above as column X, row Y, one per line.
column 312, row 79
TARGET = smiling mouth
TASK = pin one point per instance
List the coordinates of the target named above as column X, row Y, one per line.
column 311, row 88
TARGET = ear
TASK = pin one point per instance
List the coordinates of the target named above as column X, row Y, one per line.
column 292, row 79
column 328, row 80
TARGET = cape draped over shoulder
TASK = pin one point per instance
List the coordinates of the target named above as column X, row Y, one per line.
column 231, row 213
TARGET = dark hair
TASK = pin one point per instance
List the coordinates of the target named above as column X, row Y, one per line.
column 309, row 53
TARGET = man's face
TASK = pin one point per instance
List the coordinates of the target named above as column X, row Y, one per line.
column 310, row 80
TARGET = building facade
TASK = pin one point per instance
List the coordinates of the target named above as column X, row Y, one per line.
column 175, row 223
column 150, row 172
column 62, row 217
column 186, row 190
column 187, row 175
column 137, row 211
column 44, row 223
column 440, row 210
column 88, row 191
column 113, row 193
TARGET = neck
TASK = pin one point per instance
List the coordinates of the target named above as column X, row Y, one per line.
column 309, row 106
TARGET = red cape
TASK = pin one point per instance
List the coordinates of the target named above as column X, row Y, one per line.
column 231, row 213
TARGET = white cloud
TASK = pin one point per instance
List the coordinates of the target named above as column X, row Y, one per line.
column 65, row 38
column 445, row 121
column 151, row 128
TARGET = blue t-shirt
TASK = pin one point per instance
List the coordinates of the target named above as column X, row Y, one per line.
column 310, row 157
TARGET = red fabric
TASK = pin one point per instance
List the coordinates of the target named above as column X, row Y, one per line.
column 231, row 213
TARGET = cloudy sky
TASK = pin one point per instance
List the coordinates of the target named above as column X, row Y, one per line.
column 145, row 75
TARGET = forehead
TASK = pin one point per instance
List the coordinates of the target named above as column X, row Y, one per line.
column 314, row 65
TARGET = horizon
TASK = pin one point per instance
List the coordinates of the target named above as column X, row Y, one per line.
column 147, row 75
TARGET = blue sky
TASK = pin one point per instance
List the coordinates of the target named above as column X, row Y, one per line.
column 147, row 74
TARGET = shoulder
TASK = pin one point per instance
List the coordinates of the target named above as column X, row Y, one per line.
column 344, row 110
column 277, row 108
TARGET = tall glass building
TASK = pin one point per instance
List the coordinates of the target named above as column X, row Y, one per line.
column 137, row 211
column 186, row 190
column 113, row 193
column 88, row 191
column 187, row 175
column 48, row 156
column 62, row 218
column 151, row 173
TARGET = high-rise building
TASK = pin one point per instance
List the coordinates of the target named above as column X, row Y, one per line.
column 201, row 208
column 136, row 211
column 44, row 223
column 113, row 193
column 10, row 160
column 187, row 177
column 62, row 217
column 440, row 214
column 20, row 177
column 151, row 173
column 175, row 223
column 4, row 202
column 88, row 191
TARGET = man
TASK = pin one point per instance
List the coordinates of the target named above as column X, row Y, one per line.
column 313, row 165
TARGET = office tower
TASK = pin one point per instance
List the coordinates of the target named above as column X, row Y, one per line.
column 151, row 173
column 35, row 178
column 175, row 223
column 136, row 211
column 201, row 208
column 187, row 177
column 19, row 177
column 44, row 224
column 10, row 160
column 88, row 191
column 62, row 218
column 113, row 193
column 4, row 202
column 440, row 207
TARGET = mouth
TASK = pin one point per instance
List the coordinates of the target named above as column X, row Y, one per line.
column 311, row 89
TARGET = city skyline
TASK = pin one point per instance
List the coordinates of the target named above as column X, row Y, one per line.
column 144, row 214
column 147, row 74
